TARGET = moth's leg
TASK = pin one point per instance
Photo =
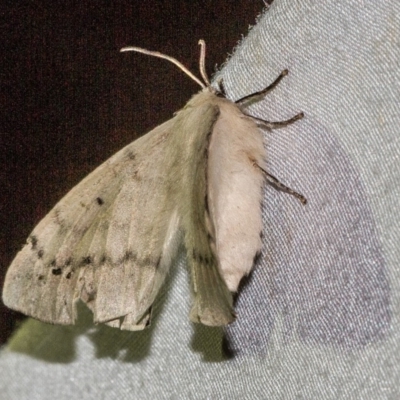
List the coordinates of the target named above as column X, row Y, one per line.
column 276, row 124
column 221, row 86
column 266, row 90
column 280, row 186
column 269, row 124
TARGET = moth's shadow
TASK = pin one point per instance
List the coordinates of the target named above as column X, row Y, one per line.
column 51, row 343
column 63, row 344
column 211, row 343
column 322, row 278
column 66, row 344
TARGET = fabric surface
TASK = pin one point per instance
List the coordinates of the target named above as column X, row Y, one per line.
column 319, row 317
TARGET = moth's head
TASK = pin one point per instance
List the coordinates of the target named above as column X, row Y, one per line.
column 217, row 91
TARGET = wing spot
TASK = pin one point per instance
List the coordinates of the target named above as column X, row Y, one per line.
column 58, row 217
column 56, row 271
column 86, row 260
column 60, row 220
column 136, row 175
column 146, row 261
column 40, row 253
column 34, row 241
column 68, row 276
column 202, row 259
column 210, row 238
column 100, row 201
column 40, row 277
column 130, row 154
column 129, row 256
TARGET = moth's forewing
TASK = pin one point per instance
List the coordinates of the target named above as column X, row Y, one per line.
column 108, row 242
column 111, row 240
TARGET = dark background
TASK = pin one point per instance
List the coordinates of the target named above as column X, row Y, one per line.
column 69, row 99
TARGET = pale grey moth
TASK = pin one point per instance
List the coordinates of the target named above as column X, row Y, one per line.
column 197, row 178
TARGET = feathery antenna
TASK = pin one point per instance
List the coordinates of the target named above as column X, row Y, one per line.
column 177, row 63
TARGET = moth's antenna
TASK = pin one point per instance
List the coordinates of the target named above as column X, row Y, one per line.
column 202, row 63
column 169, row 58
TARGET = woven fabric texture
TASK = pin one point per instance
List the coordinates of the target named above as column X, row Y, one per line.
column 319, row 317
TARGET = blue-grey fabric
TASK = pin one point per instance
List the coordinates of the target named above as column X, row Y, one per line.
column 319, row 317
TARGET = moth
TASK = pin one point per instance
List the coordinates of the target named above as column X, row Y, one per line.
column 197, row 178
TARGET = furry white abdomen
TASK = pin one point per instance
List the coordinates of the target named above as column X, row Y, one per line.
column 235, row 185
